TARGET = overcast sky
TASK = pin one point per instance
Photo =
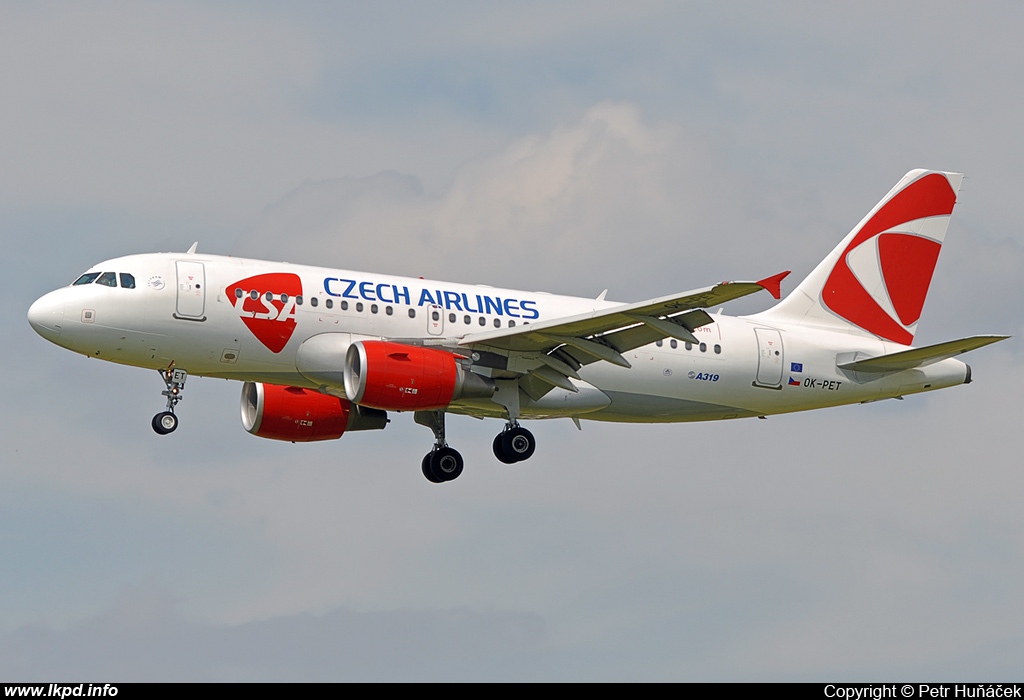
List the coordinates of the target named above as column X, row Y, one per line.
column 644, row 147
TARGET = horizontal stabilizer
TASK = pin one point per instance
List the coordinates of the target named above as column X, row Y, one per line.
column 920, row 357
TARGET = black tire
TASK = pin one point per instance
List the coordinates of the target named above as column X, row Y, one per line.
column 499, row 450
column 164, row 423
column 446, row 464
column 518, row 443
column 427, row 471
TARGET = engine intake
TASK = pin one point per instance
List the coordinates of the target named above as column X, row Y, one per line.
column 302, row 415
column 398, row 377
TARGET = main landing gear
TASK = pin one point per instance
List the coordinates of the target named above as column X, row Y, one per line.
column 443, row 463
column 514, row 444
column 167, row 422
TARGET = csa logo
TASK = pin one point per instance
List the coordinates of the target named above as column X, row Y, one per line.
column 266, row 305
column 881, row 280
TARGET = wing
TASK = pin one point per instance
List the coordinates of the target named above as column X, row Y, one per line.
column 552, row 351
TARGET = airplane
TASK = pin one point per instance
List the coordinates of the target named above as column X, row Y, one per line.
column 325, row 351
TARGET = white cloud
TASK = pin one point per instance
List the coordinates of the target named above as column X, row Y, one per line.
column 610, row 200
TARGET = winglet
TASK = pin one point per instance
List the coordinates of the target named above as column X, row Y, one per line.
column 774, row 283
column 192, row 250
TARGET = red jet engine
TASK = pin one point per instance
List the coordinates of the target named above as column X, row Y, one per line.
column 397, row 377
column 302, row 415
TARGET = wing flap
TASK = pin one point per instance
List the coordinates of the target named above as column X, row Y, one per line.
column 668, row 327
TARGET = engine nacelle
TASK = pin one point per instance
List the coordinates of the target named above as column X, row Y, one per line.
column 302, row 415
column 398, row 377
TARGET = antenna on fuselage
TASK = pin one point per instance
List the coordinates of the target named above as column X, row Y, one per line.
column 192, row 250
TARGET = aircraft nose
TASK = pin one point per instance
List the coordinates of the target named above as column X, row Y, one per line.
column 46, row 316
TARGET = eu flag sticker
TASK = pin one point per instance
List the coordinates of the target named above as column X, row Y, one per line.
column 796, row 366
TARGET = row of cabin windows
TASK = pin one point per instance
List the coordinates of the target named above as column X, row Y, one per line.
column 703, row 347
column 343, row 305
column 468, row 320
column 107, row 279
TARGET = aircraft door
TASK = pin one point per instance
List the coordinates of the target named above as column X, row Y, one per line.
column 770, row 358
column 435, row 320
column 191, row 290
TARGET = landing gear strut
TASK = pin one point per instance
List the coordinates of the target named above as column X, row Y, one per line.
column 442, row 463
column 514, row 444
column 167, row 422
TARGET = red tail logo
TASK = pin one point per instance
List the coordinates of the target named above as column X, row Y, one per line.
column 880, row 281
column 266, row 305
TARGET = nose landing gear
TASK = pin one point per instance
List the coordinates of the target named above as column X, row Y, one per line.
column 166, row 422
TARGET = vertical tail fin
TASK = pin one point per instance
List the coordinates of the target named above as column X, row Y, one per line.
column 876, row 279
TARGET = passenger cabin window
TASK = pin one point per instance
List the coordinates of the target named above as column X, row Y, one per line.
column 127, row 281
column 87, row 278
column 107, row 279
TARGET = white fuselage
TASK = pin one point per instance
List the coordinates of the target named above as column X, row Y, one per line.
column 210, row 316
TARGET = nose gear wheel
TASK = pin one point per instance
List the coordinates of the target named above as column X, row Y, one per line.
column 166, row 422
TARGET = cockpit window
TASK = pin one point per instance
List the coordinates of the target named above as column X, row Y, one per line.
column 108, row 279
column 87, row 278
column 127, row 280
